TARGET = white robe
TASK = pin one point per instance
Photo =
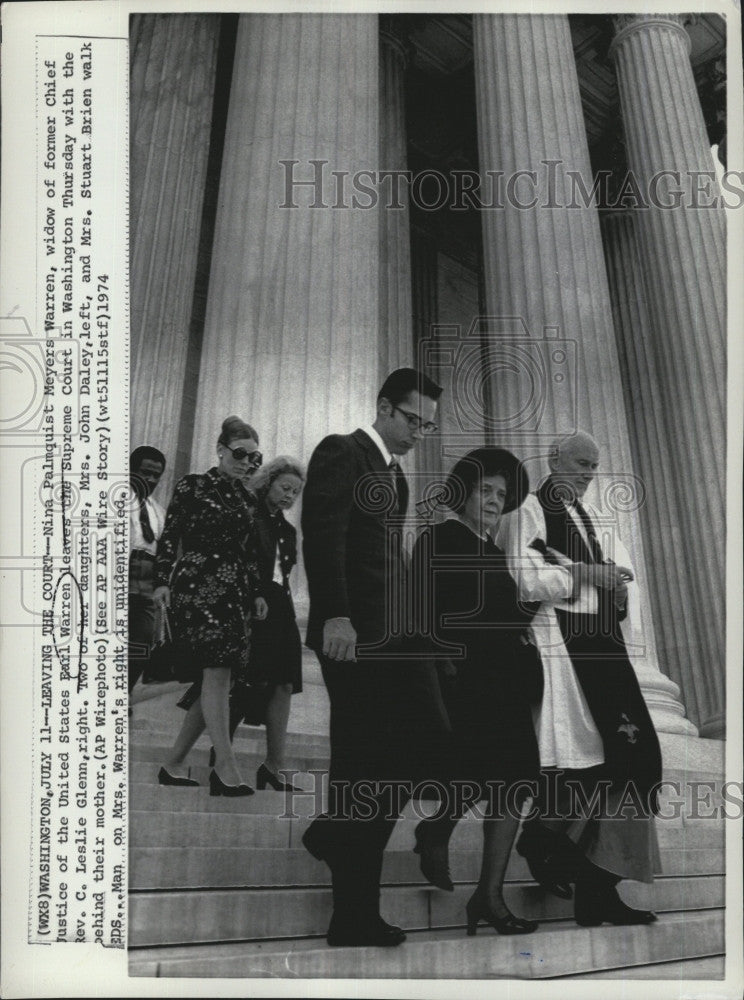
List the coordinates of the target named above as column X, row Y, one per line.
column 566, row 734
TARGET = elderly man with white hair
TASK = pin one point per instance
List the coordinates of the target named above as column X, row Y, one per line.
column 598, row 749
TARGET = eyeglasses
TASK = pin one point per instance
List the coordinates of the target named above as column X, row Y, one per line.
column 240, row 453
column 416, row 423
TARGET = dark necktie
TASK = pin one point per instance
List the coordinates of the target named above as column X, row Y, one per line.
column 401, row 487
column 144, row 519
column 594, row 546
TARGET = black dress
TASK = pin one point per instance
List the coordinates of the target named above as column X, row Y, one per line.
column 474, row 606
column 276, row 652
column 214, row 579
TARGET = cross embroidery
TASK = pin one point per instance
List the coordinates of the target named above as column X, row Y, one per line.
column 629, row 728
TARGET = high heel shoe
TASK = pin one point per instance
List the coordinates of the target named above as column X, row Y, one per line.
column 477, row 909
column 592, row 908
column 434, row 854
column 165, row 778
column 218, row 787
column 266, row 777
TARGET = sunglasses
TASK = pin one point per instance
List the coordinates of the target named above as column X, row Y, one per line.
column 240, row 453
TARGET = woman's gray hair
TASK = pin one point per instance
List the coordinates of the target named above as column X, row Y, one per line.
column 282, row 465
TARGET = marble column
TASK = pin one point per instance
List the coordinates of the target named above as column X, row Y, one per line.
column 549, row 338
column 664, row 519
column 173, row 62
column 396, row 340
column 291, row 331
column 683, row 258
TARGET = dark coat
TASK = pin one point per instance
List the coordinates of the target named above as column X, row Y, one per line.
column 474, row 607
column 271, row 530
column 276, row 654
column 387, row 717
column 351, row 572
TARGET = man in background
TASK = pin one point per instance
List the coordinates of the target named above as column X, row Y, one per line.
column 146, row 520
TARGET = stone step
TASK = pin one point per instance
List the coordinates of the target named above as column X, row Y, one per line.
column 222, row 867
column 182, row 917
column 151, row 746
column 552, row 951
column 688, row 969
column 144, row 774
column 245, row 822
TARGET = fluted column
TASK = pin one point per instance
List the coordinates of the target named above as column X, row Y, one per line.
column 664, row 515
column 683, row 255
column 173, row 60
column 396, row 340
column 291, row 330
column 544, row 268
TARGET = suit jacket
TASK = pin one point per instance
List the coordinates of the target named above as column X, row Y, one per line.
column 351, row 572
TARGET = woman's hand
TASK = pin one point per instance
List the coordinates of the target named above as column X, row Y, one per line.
column 260, row 609
column 162, row 597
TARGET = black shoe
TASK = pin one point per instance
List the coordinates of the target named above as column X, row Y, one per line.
column 434, row 856
column 265, row 777
column 218, row 787
column 553, row 859
column 164, row 778
column 376, row 933
column 477, row 909
column 593, row 907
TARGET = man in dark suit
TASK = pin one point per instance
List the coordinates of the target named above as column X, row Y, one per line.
column 382, row 710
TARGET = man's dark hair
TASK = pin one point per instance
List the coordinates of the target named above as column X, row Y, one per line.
column 404, row 381
column 145, row 451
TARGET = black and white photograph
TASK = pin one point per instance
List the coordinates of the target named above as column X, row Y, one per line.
column 405, row 288
column 371, row 436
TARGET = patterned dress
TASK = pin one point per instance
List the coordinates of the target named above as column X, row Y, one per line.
column 214, row 577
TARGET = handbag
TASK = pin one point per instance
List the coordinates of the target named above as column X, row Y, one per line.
column 172, row 659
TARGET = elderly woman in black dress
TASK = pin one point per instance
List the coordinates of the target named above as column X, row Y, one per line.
column 473, row 604
column 212, row 588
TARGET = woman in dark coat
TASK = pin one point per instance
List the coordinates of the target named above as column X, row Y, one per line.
column 275, row 667
column 212, row 588
column 474, row 608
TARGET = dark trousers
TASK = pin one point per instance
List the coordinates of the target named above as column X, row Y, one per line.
column 388, row 732
column 141, row 635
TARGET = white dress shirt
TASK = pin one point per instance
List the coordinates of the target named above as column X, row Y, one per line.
column 381, row 445
column 157, row 521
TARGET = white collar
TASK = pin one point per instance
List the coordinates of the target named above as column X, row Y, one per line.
column 381, row 446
